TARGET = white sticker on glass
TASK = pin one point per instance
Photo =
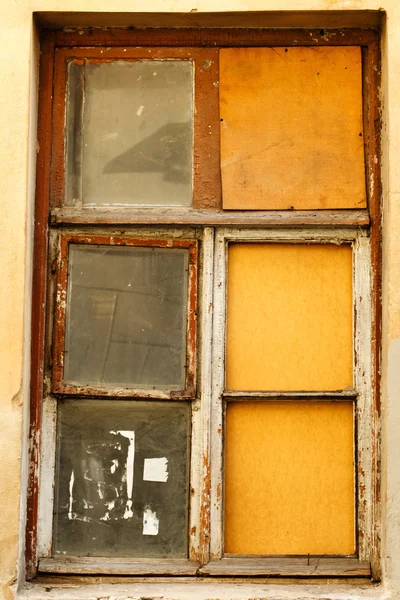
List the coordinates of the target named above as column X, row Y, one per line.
column 150, row 522
column 155, row 469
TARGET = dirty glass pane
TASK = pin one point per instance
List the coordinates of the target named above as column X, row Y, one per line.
column 122, row 478
column 126, row 317
column 130, row 133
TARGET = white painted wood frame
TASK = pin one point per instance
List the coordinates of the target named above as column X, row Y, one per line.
column 361, row 395
column 199, row 483
column 206, row 509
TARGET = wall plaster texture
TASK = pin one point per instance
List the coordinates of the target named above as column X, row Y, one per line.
column 18, row 93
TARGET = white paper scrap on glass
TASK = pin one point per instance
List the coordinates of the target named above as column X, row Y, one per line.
column 150, row 522
column 155, row 469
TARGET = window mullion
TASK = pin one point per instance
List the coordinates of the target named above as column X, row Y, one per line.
column 363, row 375
column 199, row 542
column 218, row 379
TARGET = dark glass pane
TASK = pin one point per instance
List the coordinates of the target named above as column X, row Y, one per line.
column 126, row 317
column 122, row 477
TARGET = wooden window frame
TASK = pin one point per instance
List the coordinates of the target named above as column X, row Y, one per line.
column 206, row 184
column 333, row 226
column 199, row 281
column 359, row 563
column 58, row 385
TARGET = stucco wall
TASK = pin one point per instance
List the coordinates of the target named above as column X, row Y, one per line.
column 18, row 89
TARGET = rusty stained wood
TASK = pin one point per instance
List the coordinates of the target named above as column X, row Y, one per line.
column 178, row 217
column 206, row 391
column 372, row 80
column 311, row 566
column 199, row 470
column 58, row 385
column 39, row 284
column 58, row 150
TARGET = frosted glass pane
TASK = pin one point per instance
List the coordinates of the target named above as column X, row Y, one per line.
column 289, row 478
column 290, row 317
column 134, row 126
column 126, row 317
column 122, row 478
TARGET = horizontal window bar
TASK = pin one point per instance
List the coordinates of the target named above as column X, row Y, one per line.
column 71, row 390
column 172, row 216
column 339, row 395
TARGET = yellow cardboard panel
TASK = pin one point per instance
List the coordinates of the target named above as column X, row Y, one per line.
column 289, row 478
column 291, row 128
column 289, row 317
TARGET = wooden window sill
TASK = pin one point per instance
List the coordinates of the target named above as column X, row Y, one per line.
column 288, row 567
column 85, row 565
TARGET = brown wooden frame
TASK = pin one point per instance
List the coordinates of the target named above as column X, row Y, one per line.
column 206, row 179
column 58, row 386
column 207, row 212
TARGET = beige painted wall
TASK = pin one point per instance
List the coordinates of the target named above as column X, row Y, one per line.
column 17, row 131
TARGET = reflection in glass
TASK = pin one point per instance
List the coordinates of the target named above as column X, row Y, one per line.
column 130, row 133
column 126, row 317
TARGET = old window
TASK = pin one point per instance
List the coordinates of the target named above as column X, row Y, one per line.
column 204, row 376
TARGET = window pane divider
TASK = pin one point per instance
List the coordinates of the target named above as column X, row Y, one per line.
column 170, row 215
column 295, row 395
